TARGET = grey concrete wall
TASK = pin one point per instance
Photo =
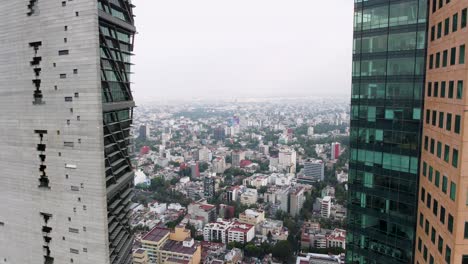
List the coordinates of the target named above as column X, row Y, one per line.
column 21, row 201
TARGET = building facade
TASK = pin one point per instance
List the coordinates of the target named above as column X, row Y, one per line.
column 314, row 171
column 386, row 109
column 442, row 226
column 67, row 176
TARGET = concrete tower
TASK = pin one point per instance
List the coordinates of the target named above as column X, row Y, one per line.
column 65, row 128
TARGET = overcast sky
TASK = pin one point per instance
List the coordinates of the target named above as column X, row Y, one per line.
column 219, row 48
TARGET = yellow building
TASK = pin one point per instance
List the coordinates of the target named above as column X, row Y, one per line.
column 140, row 256
column 252, row 217
column 171, row 246
column 180, row 233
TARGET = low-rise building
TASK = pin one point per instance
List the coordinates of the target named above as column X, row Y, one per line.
column 202, row 210
column 249, row 196
column 256, row 180
column 228, row 231
column 240, row 232
column 325, row 208
column 337, row 239
column 164, row 245
column 217, row 231
column 252, row 217
column 140, row 256
column 234, row 256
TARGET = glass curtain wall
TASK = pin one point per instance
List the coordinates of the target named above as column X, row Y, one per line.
column 387, row 100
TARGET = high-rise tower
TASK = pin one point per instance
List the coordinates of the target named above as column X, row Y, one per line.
column 442, row 226
column 65, row 130
column 386, row 106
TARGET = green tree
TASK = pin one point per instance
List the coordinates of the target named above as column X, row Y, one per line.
column 283, row 251
column 251, row 250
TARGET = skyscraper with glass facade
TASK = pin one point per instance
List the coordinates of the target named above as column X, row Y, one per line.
column 65, row 131
column 386, row 108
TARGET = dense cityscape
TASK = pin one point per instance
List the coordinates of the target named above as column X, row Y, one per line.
column 240, row 144
column 253, row 180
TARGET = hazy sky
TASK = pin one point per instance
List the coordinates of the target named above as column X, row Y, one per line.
column 221, row 48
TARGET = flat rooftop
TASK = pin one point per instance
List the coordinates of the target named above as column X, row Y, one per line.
column 178, row 247
column 156, row 234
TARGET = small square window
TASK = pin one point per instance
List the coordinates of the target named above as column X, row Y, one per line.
column 63, row 76
column 65, row 28
column 64, row 3
column 75, row 71
column 77, row 13
column 77, row 95
column 65, row 40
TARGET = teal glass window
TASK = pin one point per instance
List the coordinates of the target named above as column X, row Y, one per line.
column 423, row 194
column 421, row 220
column 426, row 227
column 442, row 214
column 432, row 33
column 466, row 230
column 448, row 254
column 440, row 245
column 446, row 153
column 441, row 120
column 439, row 30
column 429, row 89
column 450, row 223
column 436, row 89
column 433, row 235
column 432, row 146
column 426, row 142
column 437, row 178
column 463, row 18
column 424, row 170
column 419, row 244
column 442, row 89
column 457, row 124
column 451, row 87
column 434, row 117
column 435, row 208
column 453, row 191
column 444, row 58
column 437, row 61
column 444, row 184
column 461, row 55
column 453, row 56
column 431, row 61
column 455, row 23
column 425, row 253
column 459, row 89
column 446, row 26
column 431, row 172
column 428, row 200
column 455, row 158
column 448, row 122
